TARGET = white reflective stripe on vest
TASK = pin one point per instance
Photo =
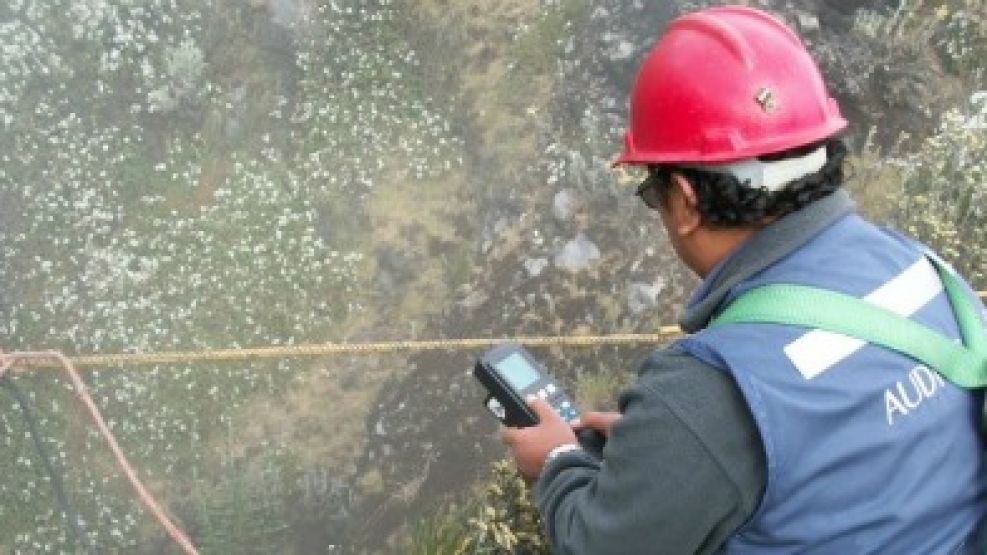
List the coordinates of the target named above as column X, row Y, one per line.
column 817, row 351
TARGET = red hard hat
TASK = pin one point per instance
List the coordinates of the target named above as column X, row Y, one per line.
column 723, row 84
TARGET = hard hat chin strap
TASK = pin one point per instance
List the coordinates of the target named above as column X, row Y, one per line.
column 774, row 175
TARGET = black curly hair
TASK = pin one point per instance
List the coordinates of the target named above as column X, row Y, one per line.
column 726, row 202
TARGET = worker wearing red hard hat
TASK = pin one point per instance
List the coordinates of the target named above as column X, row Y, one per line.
column 752, row 437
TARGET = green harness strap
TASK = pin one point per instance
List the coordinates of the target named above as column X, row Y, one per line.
column 812, row 307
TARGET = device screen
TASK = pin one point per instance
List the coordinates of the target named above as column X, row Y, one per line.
column 517, row 371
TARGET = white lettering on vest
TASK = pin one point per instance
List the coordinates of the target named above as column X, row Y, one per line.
column 905, row 397
column 893, row 405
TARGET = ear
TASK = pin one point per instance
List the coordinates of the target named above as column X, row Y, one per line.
column 683, row 206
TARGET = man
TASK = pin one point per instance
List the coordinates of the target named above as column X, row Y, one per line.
column 764, row 438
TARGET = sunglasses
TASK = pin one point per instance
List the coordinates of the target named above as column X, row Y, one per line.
column 649, row 189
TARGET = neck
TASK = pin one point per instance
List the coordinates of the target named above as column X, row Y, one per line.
column 714, row 245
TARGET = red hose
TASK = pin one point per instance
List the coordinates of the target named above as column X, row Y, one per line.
column 6, row 363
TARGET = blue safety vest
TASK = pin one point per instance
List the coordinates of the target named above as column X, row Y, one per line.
column 867, row 450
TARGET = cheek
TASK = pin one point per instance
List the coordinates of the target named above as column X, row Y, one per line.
column 673, row 237
column 666, row 224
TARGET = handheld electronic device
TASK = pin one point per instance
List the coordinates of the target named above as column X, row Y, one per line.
column 510, row 375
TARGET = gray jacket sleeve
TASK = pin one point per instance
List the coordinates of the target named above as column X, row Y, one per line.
column 682, row 469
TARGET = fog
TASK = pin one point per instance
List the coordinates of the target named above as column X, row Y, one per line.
column 188, row 175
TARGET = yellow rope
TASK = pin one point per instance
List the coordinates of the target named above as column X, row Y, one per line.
column 289, row 351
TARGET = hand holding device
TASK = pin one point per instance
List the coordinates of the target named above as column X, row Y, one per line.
column 511, row 375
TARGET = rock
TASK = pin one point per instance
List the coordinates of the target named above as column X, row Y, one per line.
column 808, row 22
column 577, row 255
column 565, row 204
column 474, row 299
column 619, row 48
column 493, row 232
column 578, row 166
column 535, row 266
column 643, row 296
column 622, row 51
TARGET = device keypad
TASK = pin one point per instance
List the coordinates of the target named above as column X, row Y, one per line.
column 559, row 401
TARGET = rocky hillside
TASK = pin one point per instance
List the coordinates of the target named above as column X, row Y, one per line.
column 192, row 174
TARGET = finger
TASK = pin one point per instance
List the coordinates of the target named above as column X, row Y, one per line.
column 542, row 409
column 509, row 435
column 600, row 417
column 585, row 420
column 600, row 421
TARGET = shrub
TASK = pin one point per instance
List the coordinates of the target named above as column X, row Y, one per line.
column 945, row 189
column 502, row 521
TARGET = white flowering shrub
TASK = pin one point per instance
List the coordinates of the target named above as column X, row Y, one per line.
column 501, row 519
column 945, row 190
column 166, row 183
column 962, row 42
column 362, row 109
column 901, row 24
column 182, row 79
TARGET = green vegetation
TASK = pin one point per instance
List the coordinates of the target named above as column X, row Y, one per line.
column 542, row 43
column 441, row 534
column 932, row 185
column 536, row 54
column 961, row 42
column 501, row 520
column 242, row 514
column 944, row 191
column 599, row 391
column 186, row 174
